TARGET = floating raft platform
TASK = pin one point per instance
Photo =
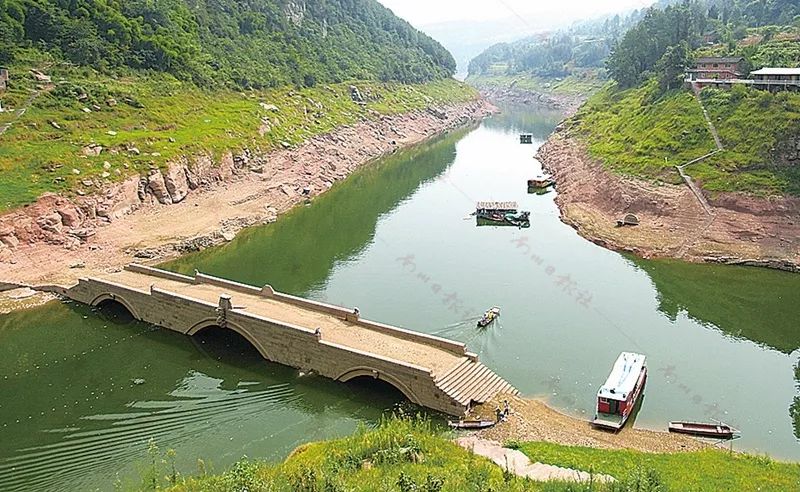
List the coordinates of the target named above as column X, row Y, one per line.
column 497, row 207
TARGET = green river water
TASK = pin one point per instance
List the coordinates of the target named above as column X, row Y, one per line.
column 83, row 391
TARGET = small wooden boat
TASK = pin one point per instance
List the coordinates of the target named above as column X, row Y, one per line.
column 540, row 183
column 488, row 317
column 617, row 398
column 471, row 424
column 715, row 431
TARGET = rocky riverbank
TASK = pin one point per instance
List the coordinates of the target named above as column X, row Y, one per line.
column 199, row 201
column 740, row 229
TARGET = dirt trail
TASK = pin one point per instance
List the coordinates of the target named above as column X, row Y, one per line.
column 519, row 464
column 199, row 203
column 737, row 228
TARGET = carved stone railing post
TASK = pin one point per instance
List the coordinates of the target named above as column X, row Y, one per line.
column 222, row 310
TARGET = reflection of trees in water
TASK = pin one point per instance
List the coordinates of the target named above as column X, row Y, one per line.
column 743, row 302
column 747, row 303
column 526, row 119
column 297, row 253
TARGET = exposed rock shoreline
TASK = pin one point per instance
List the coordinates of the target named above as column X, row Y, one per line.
column 741, row 230
column 199, row 202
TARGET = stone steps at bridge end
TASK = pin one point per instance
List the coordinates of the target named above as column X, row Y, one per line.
column 471, row 382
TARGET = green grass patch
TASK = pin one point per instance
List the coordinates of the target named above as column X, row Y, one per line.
column 644, row 134
column 163, row 119
column 709, row 470
column 403, row 454
column 638, row 133
column 397, row 455
column 754, row 126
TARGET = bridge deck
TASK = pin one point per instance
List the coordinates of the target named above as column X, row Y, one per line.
column 334, row 329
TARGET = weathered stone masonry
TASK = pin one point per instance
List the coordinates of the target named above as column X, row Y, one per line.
column 433, row 372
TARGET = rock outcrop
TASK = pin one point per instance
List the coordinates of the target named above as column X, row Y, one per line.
column 279, row 178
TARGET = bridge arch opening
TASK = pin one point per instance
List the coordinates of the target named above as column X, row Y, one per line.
column 368, row 378
column 225, row 344
column 114, row 310
column 372, row 389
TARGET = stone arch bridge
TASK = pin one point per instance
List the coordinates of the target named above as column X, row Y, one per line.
column 332, row 341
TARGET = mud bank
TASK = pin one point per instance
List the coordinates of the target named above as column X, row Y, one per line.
column 740, row 229
column 199, row 202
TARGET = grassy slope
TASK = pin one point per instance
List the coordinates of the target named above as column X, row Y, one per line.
column 635, row 132
column 174, row 119
column 368, row 460
column 710, row 470
column 632, row 132
column 375, row 460
column 751, row 124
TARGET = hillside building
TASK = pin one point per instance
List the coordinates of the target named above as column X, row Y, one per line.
column 716, row 68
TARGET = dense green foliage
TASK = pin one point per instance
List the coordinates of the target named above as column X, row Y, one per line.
column 164, row 118
column 583, row 47
column 243, row 43
column 710, row 470
column 641, row 51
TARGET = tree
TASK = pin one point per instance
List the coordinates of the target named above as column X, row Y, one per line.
column 671, row 68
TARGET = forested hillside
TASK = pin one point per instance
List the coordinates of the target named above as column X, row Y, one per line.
column 242, row 43
column 664, row 39
column 586, row 45
column 648, row 121
column 568, row 62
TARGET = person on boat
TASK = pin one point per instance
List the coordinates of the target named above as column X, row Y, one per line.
column 506, row 408
column 498, row 413
column 318, row 333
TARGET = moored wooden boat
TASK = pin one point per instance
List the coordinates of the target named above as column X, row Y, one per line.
column 501, row 214
column 540, row 182
column 702, row 429
column 471, row 424
column 617, row 398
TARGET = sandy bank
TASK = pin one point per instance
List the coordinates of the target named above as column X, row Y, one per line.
column 198, row 202
column 741, row 229
column 533, row 420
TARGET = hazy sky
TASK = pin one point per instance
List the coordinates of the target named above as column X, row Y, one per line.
column 425, row 12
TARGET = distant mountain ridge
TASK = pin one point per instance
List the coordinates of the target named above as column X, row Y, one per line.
column 233, row 43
